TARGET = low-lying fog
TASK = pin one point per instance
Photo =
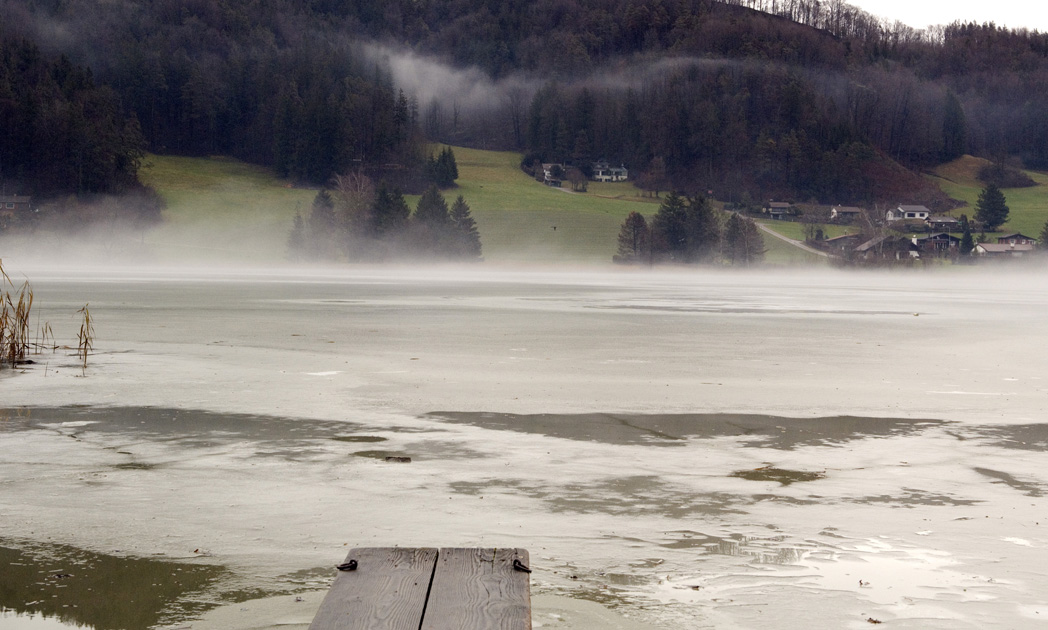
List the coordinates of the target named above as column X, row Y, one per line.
column 688, row 449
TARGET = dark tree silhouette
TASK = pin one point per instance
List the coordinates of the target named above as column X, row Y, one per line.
column 991, row 208
column 634, row 240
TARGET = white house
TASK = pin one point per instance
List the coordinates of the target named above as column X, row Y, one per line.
column 920, row 213
column 604, row 172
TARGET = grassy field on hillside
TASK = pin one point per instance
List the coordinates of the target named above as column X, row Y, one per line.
column 219, row 209
column 222, row 209
column 1028, row 207
column 522, row 220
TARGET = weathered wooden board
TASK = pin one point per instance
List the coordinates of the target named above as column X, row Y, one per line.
column 387, row 591
column 479, row 589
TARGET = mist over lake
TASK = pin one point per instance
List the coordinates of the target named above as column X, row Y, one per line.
column 687, row 449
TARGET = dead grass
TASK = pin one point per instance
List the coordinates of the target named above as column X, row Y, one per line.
column 963, row 171
column 14, row 320
column 16, row 304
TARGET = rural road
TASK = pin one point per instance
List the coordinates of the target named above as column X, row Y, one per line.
column 791, row 241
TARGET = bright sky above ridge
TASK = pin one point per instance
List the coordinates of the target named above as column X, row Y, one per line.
column 922, row 13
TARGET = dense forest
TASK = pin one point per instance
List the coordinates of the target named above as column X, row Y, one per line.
column 749, row 99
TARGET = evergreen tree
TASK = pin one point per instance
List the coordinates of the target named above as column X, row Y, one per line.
column 991, row 208
column 443, row 170
column 296, row 240
column 669, row 229
column 1043, row 244
column 467, row 238
column 322, row 227
column 431, row 222
column 634, row 240
column 703, row 230
column 967, row 242
column 389, row 214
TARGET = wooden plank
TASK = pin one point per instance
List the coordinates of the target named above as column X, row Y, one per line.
column 478, row 589
column 387, row 591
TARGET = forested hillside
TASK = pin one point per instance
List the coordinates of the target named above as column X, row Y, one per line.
column 802, row 99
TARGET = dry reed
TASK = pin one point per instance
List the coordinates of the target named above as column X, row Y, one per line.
column 86, row 336
column 16, row 303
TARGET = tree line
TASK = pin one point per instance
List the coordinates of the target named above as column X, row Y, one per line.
column 688, row 230
column 806, row 99
column 359, row 222
column 60, row 132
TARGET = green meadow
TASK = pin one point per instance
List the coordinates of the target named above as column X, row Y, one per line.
column 219, row 209
column 1028, row 207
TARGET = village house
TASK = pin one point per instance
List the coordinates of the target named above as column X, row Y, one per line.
column 14, row 204
column 939, row 244
column 943, row 223
column 553, row 174
column 11, row 207
column 886, row 248
column 902, row 213
column 604, row 172
column 1016, row 238
column 778, row 210
column 844, row 214
column 841, row 245
column 1003, row 250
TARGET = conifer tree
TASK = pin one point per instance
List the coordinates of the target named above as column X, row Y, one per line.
column 634, row 240
column 967, row 242
column 390, row 213
column 431, row 222
column 991, row 208
column 322, row 226
column 467, row 238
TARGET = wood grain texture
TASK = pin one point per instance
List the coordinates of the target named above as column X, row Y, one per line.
column 478, row 589
column 386, row 592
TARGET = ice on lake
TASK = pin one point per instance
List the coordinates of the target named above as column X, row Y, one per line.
column 686, row 449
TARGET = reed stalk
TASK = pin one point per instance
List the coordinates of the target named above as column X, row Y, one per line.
column 86, row 336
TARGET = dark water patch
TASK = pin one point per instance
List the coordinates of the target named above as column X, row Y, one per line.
column 386, row 456
column 625, row 496
column 1024, row 437
column 641, row 495
column 674, row 429
column 191, row 426
column 1028, row 488
column 135, row 466
column 782, row 475
column 759, row 549
column 101, row 591
column 285, row 438
column 911, row 498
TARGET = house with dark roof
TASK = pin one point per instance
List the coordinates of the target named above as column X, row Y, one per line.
column 939, row 244
column 1016, row 238
column 845, row 214
column 14, row 204
column 604, row 172
column 943, row 223
column 778, row 209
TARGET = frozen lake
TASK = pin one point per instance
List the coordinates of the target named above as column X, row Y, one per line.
column 689, row 450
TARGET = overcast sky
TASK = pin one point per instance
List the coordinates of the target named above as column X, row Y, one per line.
column 921, row 13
